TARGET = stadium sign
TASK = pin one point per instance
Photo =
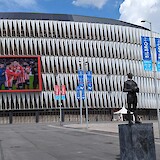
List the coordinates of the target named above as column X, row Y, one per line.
column 146, row 53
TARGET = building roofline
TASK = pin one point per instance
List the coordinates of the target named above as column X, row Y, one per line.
column 65, row 17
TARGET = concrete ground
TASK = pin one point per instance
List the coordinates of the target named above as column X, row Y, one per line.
column 111, row 127
column 68, row 142
column 54, row 142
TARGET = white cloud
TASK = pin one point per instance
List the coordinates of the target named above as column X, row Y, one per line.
column 25, row 3
column 16, row 4
column 90, row 3
column 134, row 11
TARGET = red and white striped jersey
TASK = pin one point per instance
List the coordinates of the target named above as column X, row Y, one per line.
column 21, row 77
column 9, row 77
column 27, row 72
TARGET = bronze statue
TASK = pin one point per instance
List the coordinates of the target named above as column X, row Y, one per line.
column 131, row 87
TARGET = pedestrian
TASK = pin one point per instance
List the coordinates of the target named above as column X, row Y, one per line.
column 2, row 75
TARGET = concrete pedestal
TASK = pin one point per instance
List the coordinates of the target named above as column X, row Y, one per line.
column 137, row 142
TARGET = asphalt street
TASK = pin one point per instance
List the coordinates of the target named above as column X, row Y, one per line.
column 52, row 142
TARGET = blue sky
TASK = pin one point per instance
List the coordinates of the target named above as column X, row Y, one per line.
column 109, row 9
column 132, row 11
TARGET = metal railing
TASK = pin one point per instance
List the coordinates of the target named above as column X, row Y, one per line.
column 68, row 115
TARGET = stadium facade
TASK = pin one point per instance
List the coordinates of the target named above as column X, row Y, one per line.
column 110, row 47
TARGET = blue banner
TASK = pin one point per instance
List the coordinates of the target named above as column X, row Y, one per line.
column 157, row 42
column 81, row 79
column 146, row 50
column 89, row 80
column 146, row 54
column 78, row 92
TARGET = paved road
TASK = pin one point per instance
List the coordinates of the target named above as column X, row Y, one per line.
column 51, row 142
column 48, row 142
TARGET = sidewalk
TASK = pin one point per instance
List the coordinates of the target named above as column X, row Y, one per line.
column 111, row 127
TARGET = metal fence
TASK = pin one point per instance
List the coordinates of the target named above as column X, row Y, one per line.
column 44, row 116
column 68, row 115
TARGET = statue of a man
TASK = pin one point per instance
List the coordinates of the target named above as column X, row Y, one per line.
column 131, row 87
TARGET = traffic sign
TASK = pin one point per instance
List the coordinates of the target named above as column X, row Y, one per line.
column 81, row 79
column 63, row 97
column 59, row 95
column 83, row 94
column 56, row 90
column 63, row 89
column 78, row 92
column 89, row 80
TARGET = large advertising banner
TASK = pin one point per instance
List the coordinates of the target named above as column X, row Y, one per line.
column 157, row 42
column 146, row 53
column 20, row 74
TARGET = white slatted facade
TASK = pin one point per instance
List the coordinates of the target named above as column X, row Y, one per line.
column 112, row 51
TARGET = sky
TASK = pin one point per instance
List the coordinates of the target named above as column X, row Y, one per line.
column 132, row 11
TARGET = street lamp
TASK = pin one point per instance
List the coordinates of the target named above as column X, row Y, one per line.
column 60, row 98
column 83, row 67
column 150, row 27
column 154, row 70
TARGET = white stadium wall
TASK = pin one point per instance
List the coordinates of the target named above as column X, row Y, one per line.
column 111, row 51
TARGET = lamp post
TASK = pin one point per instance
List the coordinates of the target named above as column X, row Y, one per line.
column 154, row 71
column 84, row 68
column 60, row 98
column 80, row 98
column 83, row 64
